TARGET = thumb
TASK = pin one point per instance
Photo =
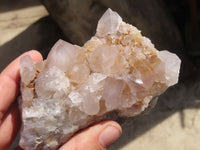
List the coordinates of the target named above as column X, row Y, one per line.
column 96, row 137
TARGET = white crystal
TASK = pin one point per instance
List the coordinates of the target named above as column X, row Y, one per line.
column 172, row 66
column 64, row 55
column 108, row 24
column 118, row 71
column 107, row 60
column 51, row 81
column 79, row 73
column 76, row 98
column 27, row 70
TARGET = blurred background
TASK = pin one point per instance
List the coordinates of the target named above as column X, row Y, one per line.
column 174, row 123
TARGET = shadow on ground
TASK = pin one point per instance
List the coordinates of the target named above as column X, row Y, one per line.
column 39, row 36
column 182, row 96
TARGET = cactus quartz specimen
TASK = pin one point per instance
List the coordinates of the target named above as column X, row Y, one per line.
column 117, row 72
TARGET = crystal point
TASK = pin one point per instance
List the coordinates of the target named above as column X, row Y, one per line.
column 118, row 72
column 109, row 23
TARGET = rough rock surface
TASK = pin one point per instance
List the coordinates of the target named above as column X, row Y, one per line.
column 117, row 72
column 77, row 19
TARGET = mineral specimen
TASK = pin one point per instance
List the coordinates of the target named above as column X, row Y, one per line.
column 117, row 72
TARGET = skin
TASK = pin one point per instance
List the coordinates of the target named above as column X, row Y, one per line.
column 91, row 138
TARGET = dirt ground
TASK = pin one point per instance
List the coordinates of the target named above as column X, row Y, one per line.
column 174, row 123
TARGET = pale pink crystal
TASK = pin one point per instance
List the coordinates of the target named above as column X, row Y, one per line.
column 118, row 71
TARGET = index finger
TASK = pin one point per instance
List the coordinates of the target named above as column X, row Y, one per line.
column 9, row 81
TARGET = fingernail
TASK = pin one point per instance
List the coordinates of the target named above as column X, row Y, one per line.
column 109, row 135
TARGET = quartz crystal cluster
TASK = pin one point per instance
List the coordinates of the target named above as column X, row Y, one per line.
column 118, row 71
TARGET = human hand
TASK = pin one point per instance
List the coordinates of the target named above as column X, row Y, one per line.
column 9, row 88
column 96, row 137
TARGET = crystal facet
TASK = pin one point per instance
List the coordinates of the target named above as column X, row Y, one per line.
column 118, row 71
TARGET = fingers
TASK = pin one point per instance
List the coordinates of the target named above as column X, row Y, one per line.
column 9, row 87
column 9, row 127
column 97, row 137
column 9, row 81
